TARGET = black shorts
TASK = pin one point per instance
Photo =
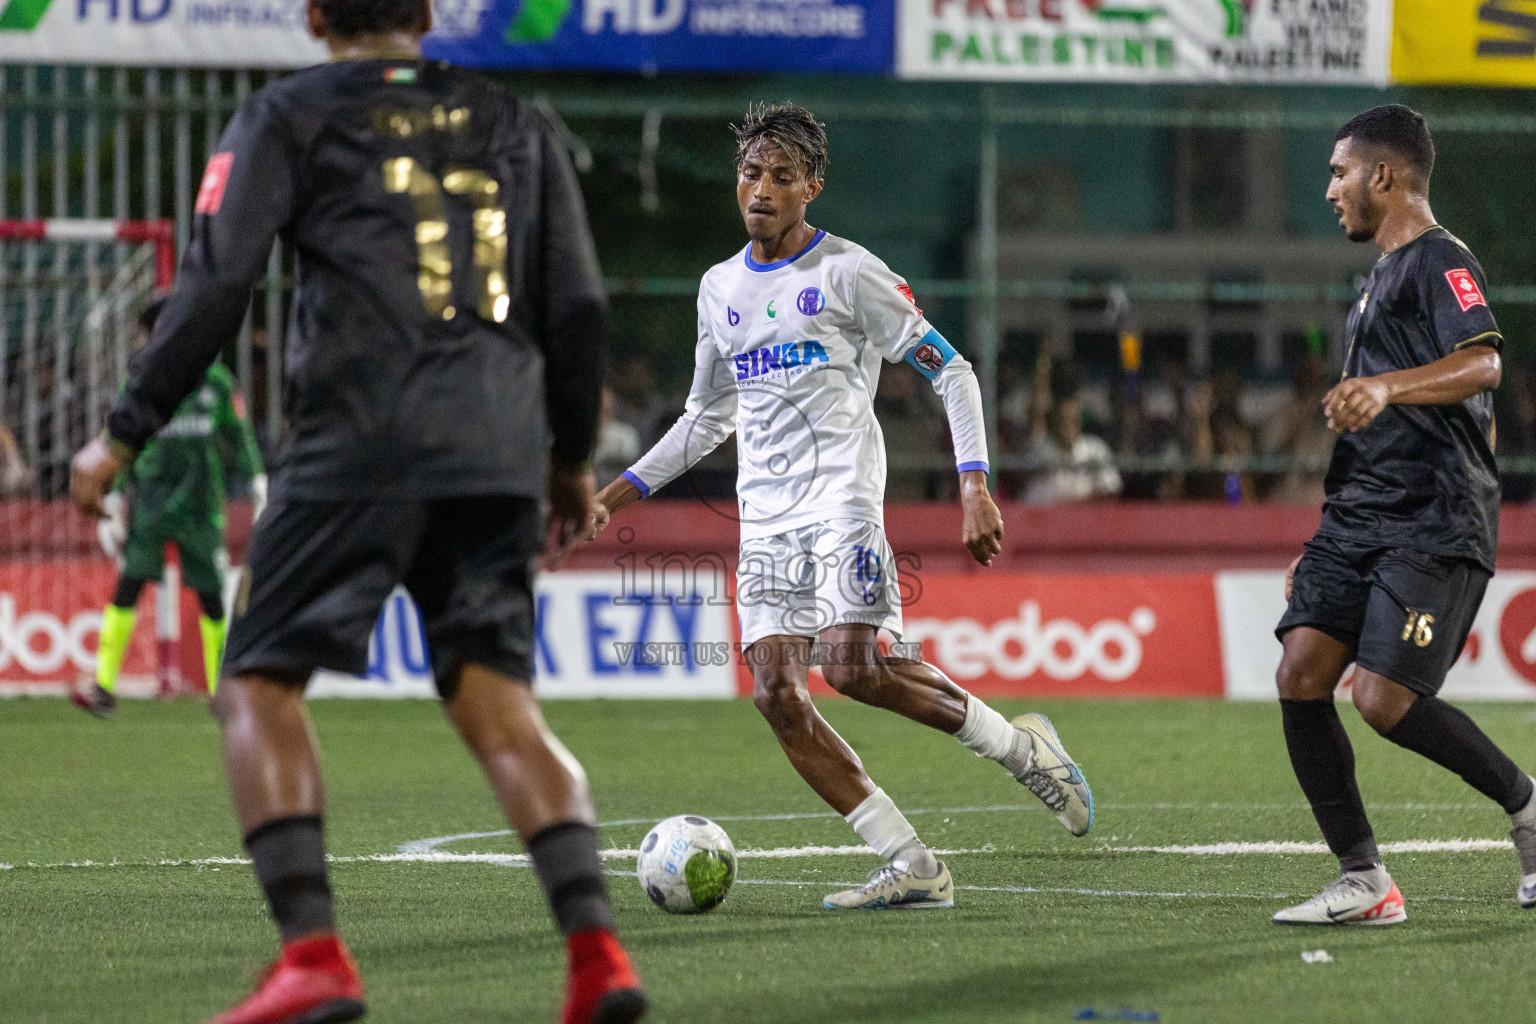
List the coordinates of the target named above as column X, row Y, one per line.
column 1406, row 614
column 318, row 572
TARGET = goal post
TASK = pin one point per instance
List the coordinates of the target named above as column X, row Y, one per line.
column 71, row 292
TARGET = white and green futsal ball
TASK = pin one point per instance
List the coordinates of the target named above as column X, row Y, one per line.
column 687, row 864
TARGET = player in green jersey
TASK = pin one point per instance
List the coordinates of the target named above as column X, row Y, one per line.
column 174, row 492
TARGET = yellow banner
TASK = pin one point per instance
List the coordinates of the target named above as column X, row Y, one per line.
column 1464, row 42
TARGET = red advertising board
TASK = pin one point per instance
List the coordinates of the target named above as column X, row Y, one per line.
column 50, row 624
column 1039, row 635
column 1019, row 635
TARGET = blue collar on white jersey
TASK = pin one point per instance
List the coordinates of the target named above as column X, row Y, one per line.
column 763, row 268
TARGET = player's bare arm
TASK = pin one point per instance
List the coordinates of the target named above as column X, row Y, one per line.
column 91, row 474
column 617, row 495
column 982, row 530
column 573, row 512
column 1354, row 403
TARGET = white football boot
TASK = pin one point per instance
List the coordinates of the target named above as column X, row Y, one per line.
column 1524, row 836
column 1053, row 776
column 1358, row 897
column 891, row 888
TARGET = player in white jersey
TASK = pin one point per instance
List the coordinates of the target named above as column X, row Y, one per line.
column 792, row 332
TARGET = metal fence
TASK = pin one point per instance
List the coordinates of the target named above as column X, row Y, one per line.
column 129, row 144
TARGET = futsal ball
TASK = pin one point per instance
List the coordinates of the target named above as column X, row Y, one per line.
column 687, row 864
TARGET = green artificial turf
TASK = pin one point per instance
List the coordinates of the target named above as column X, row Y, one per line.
column 1056, row 929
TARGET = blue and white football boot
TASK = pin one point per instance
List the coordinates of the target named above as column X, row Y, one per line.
column 1053, row 776
column 891, row 888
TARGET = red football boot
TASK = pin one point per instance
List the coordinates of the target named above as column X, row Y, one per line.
column 601, row 987
column 314, row 982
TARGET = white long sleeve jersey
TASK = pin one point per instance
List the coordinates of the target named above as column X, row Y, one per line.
column 788, row 357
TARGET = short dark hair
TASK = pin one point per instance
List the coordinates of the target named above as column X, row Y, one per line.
column 792, row 128
column 346, row 18
column 1397, row 128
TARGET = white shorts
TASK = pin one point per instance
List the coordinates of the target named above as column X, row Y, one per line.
column 827, row 574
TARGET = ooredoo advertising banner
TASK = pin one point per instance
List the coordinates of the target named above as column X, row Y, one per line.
column 1456, row 42
column 1498, row 662
column 1142, row 41
column 50, row 623
column 1019, row 635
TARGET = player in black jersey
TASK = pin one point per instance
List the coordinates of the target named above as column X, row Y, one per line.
column 443, row 378
column 1394, row 577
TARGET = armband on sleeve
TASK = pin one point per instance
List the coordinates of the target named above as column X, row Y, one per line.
column 931, row 354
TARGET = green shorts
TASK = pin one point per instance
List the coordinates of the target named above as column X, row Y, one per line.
column 200, row 543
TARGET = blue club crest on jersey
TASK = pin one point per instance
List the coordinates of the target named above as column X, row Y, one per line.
column 775, row 358
column 812, row 301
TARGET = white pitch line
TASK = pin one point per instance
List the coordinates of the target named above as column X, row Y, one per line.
column 1405, row 846
column 791, row 852
column 497, row 859
column 433, row 843
column 513, row 860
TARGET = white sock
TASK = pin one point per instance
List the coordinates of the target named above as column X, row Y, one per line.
column 880, row 823
column 985, row 732
column 1527, row 814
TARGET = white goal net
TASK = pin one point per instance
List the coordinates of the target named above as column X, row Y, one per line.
column 71, row 292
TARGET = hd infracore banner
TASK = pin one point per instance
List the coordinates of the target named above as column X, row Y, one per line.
column 1338, row 41
column 196, row 33
column 620, row 35
column 667, row 35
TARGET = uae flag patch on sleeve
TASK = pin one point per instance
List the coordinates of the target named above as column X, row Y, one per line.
column 1466, row 289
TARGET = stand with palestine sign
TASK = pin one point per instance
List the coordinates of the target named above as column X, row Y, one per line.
column 1143, row 41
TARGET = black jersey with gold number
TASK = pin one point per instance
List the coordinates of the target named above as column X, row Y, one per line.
column 1421, row 477
column 448, row 321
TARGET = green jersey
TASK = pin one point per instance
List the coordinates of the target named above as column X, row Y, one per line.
column 179, row 476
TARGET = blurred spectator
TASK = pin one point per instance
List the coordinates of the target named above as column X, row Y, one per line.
column 50, row 467
column 1012, row 404
column 638, row 403
column 913, row 428
column 1515, row 403
column 618, row 443
column 1154, row 426
column 1221, row 438
column 1065, row 464
column 15, row 477
column 1298, row 429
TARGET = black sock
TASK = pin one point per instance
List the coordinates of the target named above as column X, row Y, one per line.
column 1324, row 763
column 566, row 861
column 1443, row 733
column 289, row 857
column 212, row 602
column 128, row 590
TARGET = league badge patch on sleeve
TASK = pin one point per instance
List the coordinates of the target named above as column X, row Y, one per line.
column 906, row 291
column 931, row 354
column 210, row 195
column 1467, row 292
